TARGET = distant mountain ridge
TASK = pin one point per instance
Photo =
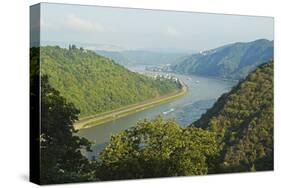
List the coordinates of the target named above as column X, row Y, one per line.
column 118, row 57
column 126, row 56
column 85, row 45
column 229, row 61
column 141, row 57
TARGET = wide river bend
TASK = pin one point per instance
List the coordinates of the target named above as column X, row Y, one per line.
column 202, row 93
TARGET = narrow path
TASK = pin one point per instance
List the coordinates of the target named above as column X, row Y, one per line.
column 98, row 119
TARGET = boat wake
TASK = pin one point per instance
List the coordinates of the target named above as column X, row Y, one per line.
column 169, row 111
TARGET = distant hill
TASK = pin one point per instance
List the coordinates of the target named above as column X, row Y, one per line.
column 141, row 57
column 88, row 46
column 118, row 57
column 230, row 61
column 243, row 122
column 127, row 56
column 97, row 84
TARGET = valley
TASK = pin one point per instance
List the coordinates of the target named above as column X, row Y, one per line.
column 202, row 93
column 141, row 93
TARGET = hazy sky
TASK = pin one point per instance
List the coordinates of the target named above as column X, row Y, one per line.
column 137, row 28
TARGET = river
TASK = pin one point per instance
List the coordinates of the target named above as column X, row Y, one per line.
column 202, row 93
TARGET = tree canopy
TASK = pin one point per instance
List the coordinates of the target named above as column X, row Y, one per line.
column 60, row 150
column 156, row 148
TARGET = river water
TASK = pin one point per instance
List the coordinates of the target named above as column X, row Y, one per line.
column 202, row 93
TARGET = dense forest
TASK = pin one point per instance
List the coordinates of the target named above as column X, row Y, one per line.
column 243, row 122
column 235, row 135
column 232, row 61
column 96, row 84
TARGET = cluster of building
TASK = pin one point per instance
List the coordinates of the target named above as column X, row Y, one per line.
column 165, row 76
column 159, row 68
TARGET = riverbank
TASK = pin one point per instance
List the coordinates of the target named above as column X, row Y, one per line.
column 99, row 119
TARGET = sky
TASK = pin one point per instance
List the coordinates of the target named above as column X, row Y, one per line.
column 141, row 29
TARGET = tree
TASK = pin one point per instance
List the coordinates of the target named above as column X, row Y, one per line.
column 156, row 148
column 61, row 158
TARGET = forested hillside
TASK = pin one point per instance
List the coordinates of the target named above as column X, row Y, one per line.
column 97, row 84
column 230, row 61
column 243, row 122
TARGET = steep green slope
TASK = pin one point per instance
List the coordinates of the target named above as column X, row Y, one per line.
column 229, row 61
column 243, row 120
column 97, row 84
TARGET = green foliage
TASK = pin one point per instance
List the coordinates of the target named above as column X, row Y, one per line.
column 96, row 84
column 156, row 148
column 243, row 121
column 60, row 151
column 229, row 61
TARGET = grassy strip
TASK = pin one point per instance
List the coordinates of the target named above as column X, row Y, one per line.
column 95, row 120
